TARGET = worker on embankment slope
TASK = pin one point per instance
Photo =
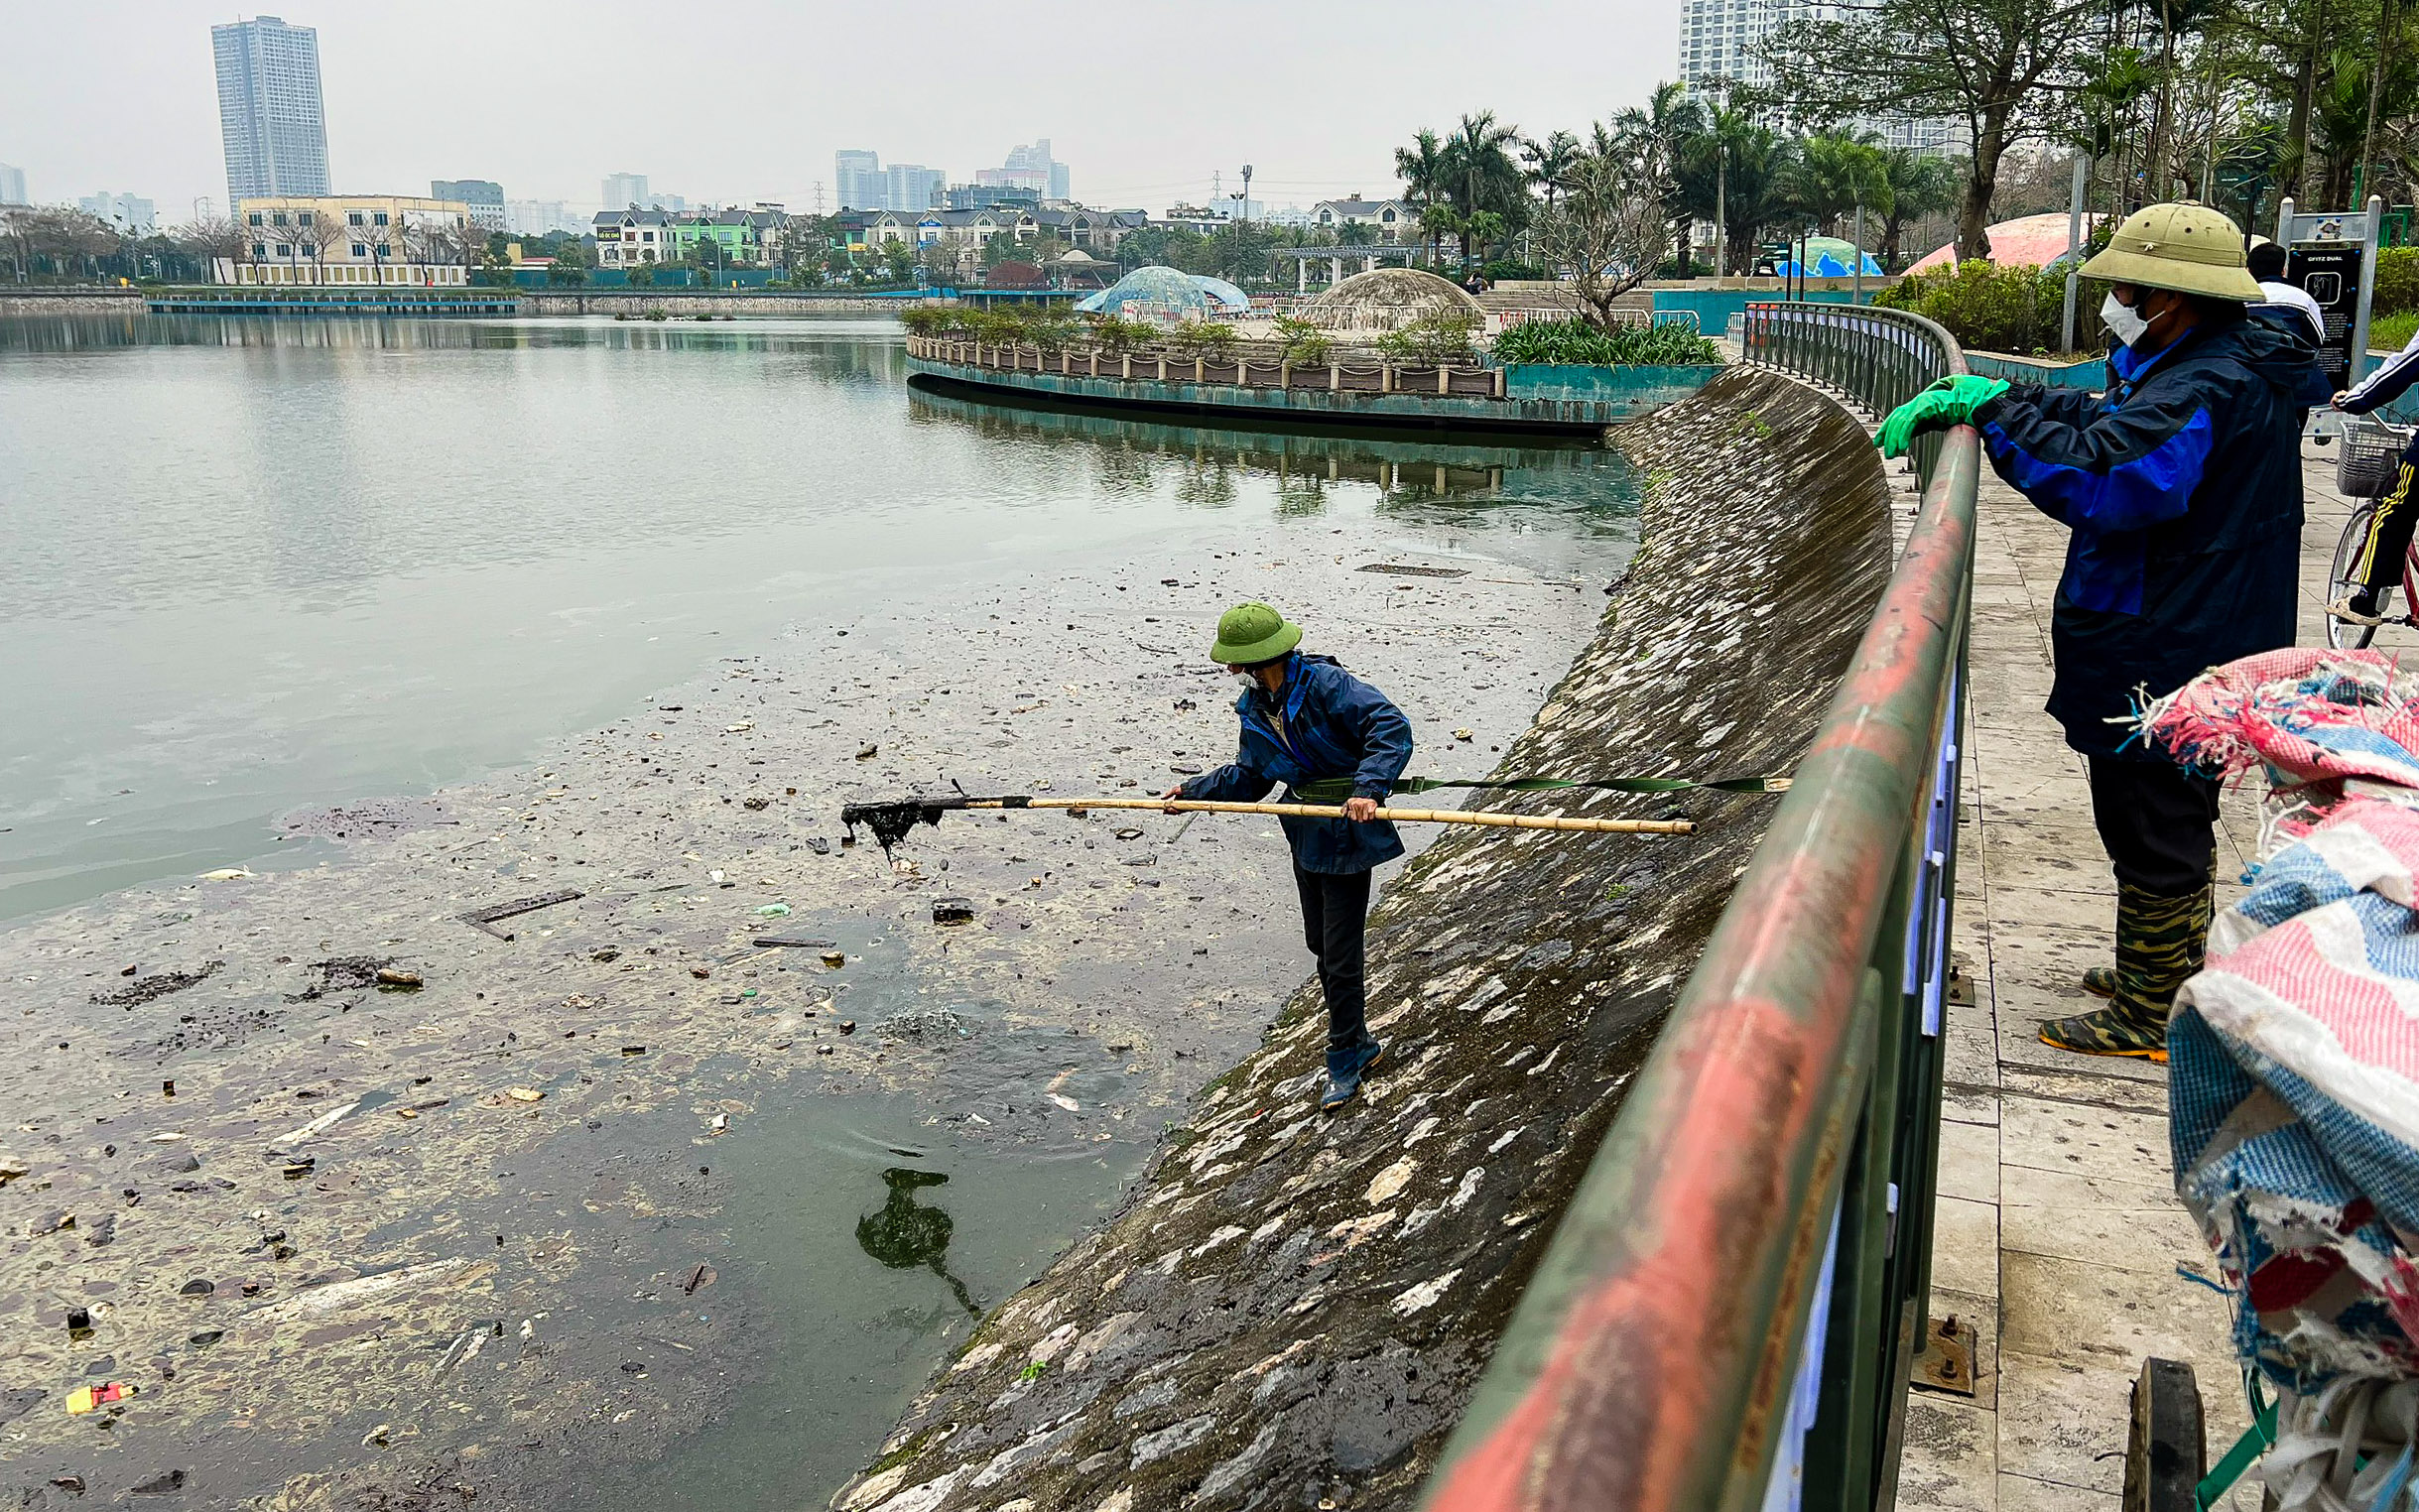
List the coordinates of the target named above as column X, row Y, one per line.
column 2182, row 488
column 1305, row 717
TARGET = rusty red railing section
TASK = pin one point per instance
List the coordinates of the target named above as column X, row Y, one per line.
column 1729, row 1307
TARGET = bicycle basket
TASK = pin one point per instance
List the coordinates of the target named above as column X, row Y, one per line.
column 2365, row 457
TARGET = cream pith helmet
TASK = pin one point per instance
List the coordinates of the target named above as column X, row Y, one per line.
column 2189, row 248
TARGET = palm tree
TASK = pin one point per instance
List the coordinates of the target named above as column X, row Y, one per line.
column 1550, row 162
column 1423, row 167
column 1437, row 222
column 1832, row 172
column 1663, row 143
column 1753, row 162
column 1483, row 175
column 1915, row 185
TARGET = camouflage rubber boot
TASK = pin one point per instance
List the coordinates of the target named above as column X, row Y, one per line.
column 2100, row 981
column 2159, row 945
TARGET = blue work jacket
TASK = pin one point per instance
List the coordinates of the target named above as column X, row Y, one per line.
column 1324, row 722
column 2181, row 488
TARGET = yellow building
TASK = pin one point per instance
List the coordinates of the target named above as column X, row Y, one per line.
column 353, row 239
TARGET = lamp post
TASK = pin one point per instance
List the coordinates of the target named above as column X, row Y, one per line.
column 1246, row 192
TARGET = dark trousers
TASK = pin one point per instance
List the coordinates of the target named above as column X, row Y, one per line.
column 2389, row 529
column 2156, row 820
column 1335, row 909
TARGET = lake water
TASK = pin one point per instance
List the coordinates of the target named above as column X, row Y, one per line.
column 261, row 565
column 256, row 563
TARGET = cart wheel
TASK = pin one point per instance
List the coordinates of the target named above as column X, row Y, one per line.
column 2167, row 1452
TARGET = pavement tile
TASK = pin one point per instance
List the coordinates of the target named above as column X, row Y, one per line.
column 2022, row 1493
column 1947, row 1455
column 1966, row 1245
column 2104, row 1143
column 2019, row 909
column 2109, row 1319
column 2046, row 853
column 2063, row 1423
column 1970, row 1161
column 2120, row 1224
column 2085, row 1084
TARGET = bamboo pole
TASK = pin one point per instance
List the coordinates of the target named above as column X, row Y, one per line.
column 1317, row 811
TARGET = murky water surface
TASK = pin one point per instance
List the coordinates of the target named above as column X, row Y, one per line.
column 259, row 564
column 255, row 564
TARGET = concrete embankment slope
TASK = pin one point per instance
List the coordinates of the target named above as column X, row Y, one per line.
column 1292, row 1308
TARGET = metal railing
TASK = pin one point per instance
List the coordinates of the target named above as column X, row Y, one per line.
column 1732, row 1299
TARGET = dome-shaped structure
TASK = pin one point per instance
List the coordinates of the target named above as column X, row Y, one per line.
column 1156, row 294
column 1225, row 297
column 1388, row 299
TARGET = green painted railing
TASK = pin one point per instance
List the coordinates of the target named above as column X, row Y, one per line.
column 1729, row 1310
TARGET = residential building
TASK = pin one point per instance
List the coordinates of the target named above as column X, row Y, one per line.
column 747, row 238
column 1391, row 219
column 130, row 214
column 1722, row 42
column 12, row 185
column 1094, row 232
column 990, row 197
column 622, row 190
column 352, row 239
column 857, row 177
column 911, row 187
column 270, row 119
column 540, row 217
column 485, row 198
column 634, row 236
column 1035, row 159
column 1208, row 220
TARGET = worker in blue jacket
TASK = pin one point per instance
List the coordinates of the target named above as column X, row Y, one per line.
column 2181, row 488
column 1304, row 719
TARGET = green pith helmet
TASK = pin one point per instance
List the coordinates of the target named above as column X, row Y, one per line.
column 2189, row 248
column 1253, row 632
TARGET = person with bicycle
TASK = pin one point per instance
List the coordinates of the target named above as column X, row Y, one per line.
column 2379, row 563
column 2181, row 488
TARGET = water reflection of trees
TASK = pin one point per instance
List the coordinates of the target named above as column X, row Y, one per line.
column 1201, row 463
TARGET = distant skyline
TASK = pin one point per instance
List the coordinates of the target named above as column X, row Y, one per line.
column 407, row 101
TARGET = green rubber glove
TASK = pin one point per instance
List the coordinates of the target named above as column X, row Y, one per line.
column 1948, row 402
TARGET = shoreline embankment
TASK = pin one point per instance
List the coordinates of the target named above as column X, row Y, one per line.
column 1293, row 1309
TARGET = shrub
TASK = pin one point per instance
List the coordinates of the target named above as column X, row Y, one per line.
column 1117, row 334
column 2397, row 290
column 1050, row 330
column 1205, row 338
column 928, row 320
column 1437, row 337
column 1305, row 346
column 1577, row 341
column 1992, row 309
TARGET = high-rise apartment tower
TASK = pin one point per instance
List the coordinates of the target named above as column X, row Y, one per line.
column 269, row 113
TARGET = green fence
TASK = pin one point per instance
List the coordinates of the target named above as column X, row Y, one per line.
column 1729, row 1307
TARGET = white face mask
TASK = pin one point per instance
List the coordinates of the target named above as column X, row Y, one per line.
column 2123, row 320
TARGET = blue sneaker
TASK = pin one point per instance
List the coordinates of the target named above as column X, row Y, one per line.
column 1346, row 1067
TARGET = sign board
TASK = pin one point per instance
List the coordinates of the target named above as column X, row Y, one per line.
column 2329, row 273
column 2332, row 255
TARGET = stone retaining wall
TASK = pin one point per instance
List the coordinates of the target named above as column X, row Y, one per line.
column 1292, row 1309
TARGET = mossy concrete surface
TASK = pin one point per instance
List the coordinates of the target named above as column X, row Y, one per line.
column 1292, row 1309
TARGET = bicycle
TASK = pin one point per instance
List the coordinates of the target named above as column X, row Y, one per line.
column 2366, row 469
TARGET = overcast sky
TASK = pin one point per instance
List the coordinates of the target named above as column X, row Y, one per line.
column 740, row 100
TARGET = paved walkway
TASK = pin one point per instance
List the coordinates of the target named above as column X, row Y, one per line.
column 2059, row 1235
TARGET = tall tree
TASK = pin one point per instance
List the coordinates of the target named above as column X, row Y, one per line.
column 1607, row 231
column 1549, row 163
column 2002, row 66
column 1483, row 176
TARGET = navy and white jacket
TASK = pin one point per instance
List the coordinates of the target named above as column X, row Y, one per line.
column 2391, row 379
column 2182, row 488
column 1329, row 725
